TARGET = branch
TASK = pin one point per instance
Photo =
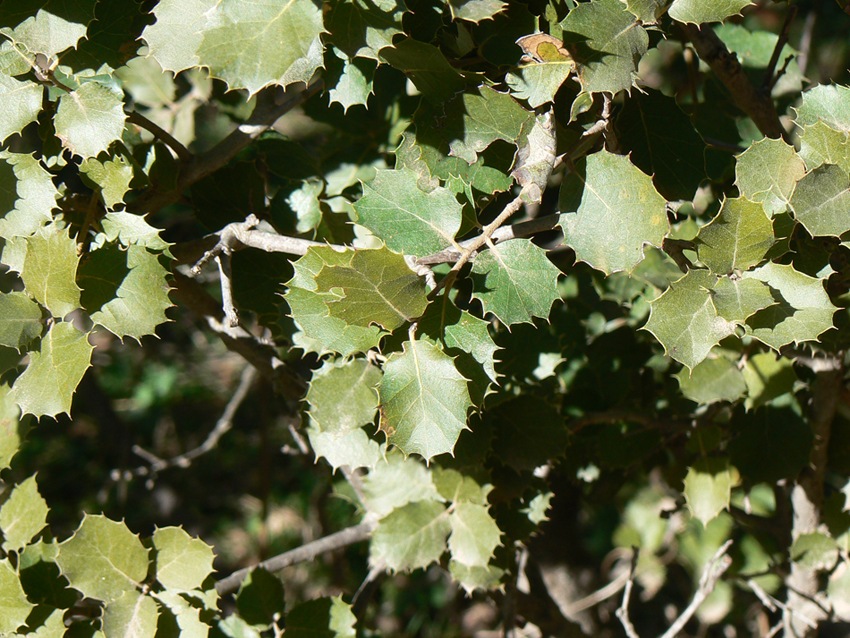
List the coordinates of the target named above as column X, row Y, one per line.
column 623, row 612
column 271, row 105
column 755, row 103
column 770, row 75
column 306, row 552
column 182, row 153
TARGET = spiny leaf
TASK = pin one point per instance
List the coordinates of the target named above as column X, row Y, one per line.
column 27, row 195
column 713, row 379
column 617, row 212
column 738, row 238
column 515, row 281
column 23, row 515
column 424, row 400
column 395, row 482
column 538, row 82
column 129, row 230
column 827, row 103
column 361, row 28
column 473, row 578
column 47, row 26
column 351, row 448
column 112, row 177
column 50, row 269
column 737, row 300
column 182, row 562
column 408, row 219
column 90, row 118
column 16, row 607
column 699, row 11
column 350, row 383
column 410, row 537
column 476, row 10
column 45, row 388
column 708, row 488
column 821, row 201
column 177, row 34
column 427, row 68
column 474, row 536
column 20, row 320
column 535, row 158
column 355, row 83
column 21, row 104
column 767, row 172
column 131, row 614
column 822, row 144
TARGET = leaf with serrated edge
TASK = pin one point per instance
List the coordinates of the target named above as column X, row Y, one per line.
column 827, row 103
column 129, row 229
column 475, row 535
column 20, row 320
column 473, row 578
column 699, row 11
column 685, row 321
column 350, row 383
column 182, row 562
column 410, row 537
column 821, row 201
column 174, row 38
column 427, row 68
column 90, row 118
column 424, row 400
column 396, row 482
column 354, row 85
column 647, row 11
column 253, row 45
column 459, row 329
column 607, row 43
column 739, row 299
column 738, row 238
column 53, row 29
column 815, row 551
column 362, row 28
column 111, row 176
column 708, row 488
column 21, row 104
column 713, row 380
column 45, row 388
column 27, row 195
column 617, row 212
column 537, row 83
column 103, row 559
column 352, row 448
column 454, row 486
column 476, row 10
column 377, row 287
column 125, row 291
column 23, row 515
column 516, row 281
column 408, row 219
column 767, row 173
column 16, row 607
column 804, row 313
column 822, row 144
column 535, row 158
column 50, row 269
column 132, row 615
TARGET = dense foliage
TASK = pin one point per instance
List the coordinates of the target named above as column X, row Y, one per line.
column 461, row 317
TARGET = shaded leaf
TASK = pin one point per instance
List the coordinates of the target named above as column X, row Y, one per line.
column 698, row 11
column 410, row 537
column 821, row 144
column 20, row 320
column 23, row 515
column 427, row 68
column 771, row 445
column 708, row 488
column 395, row 482
column 260, row 599
column 473, row 578
column 474, row 536
column 535, row 159
column 321, row 618
column 350, row 383
column 361, row 28
column 738, row 299
column 355, row 83
column 815, row 551
column 712, row 380
column 738, row 238
column 538, row 82
column 476, row 10
column 821, row 201
column 16, row 607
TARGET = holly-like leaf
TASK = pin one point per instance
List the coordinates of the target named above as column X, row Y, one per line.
column 27, row 195
column 11, row 428
column 377, row 287
column 617, row 212
column 410, row 537
column 351, row 448
column 103, row 559
column 739, row 299
column 21, row 104
column 708, row 488
column 182, row 562
column 537, row 83
column 90, row 118
column 473, row 578
column 23, row 515
column 45, row 388
column 712, row 380
column 125, row 291
column 826, row 103
column 607, row 43
column 350, row 383
column 767, row 172
column 475, row 534
column 821, row 200
column 822, row 144
column 427, row 68
column 177, row 34
column 454, row 486
column 738, row 238
column 424, row 400
column 131, row 614
column 129, row 230
column 647, row 11
column 698, row 11
column 321, row 618
column 768, row 377
column 16, row 607
column 355, row 83
column 804, row 313
column 815, row 551
column 515, row 281
column 535, row 158
column 46, row 26
column 20, row 320
column 408, row 219
column 254, row 46
column 663, row 143
column 395, row 482
column 321, row 332
column 476, row 10
column 685, row 321
column 112, row 178
column 50, row 268
column 361, row 28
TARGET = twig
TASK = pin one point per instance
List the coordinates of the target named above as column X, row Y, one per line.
column 806, row 40
column 601, row 594
column 770, row 77
column 225, row 275
column 182, row 153
column 715, row 568
column 308, row 551
column 623, row 612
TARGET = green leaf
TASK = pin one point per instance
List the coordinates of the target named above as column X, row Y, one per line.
column 424, row 400
column 47, row 26
column 826, row 103
column 361, row 28
column 708, row 488
column 537, row 83
column 132, row 615
column 23, row 515
column 50, row 268
column 606, row 43
column 515, row 281
column 90, row 118
column 476, row 10
column 767, row 172
column 821, row 200
column 803, row 314
column 712, row 380
column 21, row 104
column 685, row 321
column 768, row 377
column 355, row 83
column 454, row 486
column 125, row 291
column 112, row 178
column 647, row 11
column 427, row 68
column 474, row 536
column 103, row 559
column 260, row 598
column 698, row 11
column 410, row 537
column 616, row 212
column 353, row 448
column 182, row 562
column 54, row 372
column 395, row 482
column 535, row 159
column 178, row 32
column 662, row 142
column 376, row 288
column 815, row 551
column 320, row 332
column 16, row 607
column 737, row 300
column 472, row 578
column 321, row 618
column 188, row 618
column 27, row 195
column 255, row 45
column 20, row 320
column 408, row 219
column 737, row 239
column 11, row 429
column 755, row 49
column 350, row 383
column 129, row 229
column 821, row 144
